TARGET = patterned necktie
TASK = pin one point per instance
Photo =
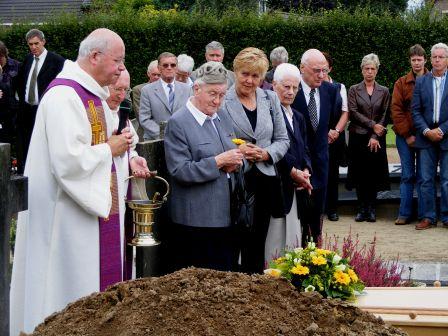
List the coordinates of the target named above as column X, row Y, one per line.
column 33, row 81
column 312, row 110
column 171, row 96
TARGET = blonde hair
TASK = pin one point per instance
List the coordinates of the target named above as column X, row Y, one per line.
column 251, row 59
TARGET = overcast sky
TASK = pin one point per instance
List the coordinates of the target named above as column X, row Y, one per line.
column 414, row 3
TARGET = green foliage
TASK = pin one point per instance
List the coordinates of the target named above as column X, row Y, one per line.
column 345, row 35
column 375, row 6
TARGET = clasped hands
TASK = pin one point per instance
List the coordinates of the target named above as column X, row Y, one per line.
column 120, row 143
column 302, row 179
column 435, row 135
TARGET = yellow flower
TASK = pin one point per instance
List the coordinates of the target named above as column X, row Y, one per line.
column 300, row 270
column 322, row 252
column 279, row 260
column 353, row 275
column 319, row 260
column 341, row 277
column 273, row 272
column 238, row 141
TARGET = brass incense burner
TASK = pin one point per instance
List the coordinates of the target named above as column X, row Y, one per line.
column 143, row 212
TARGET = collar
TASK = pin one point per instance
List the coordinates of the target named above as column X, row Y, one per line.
column 43, row 55
column 410, row 77
column 198, row 115
column 165, row 84
column 441, row 77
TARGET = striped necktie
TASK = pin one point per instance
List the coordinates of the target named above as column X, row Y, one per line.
column 312, row 110
column 171, row 96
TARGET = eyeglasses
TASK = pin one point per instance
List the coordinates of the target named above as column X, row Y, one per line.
column 118, row 61
column 169, row 65
column 318, row 71
column 438, row 57
column 127, row 91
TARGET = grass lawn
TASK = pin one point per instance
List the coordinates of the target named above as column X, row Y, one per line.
column 390, row 137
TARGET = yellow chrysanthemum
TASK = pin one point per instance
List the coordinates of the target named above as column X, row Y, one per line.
column 273, row 272
column 238, row 141
column 322, row 252
column 341, row 277
column 300, row 270
column 352, row 275
column 279, row 260
column 320, row 260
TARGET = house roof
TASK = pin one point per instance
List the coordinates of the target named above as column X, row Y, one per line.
column 36, row 10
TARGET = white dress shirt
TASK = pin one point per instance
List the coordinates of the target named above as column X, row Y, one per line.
column 306, row 92
column 167, row 89
column 289, row 115
column 39, row 66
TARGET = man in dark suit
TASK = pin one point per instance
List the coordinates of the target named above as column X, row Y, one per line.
column 315, row 101
column 39, row 68
column 430, row 115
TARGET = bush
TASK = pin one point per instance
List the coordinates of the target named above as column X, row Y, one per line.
column 347, row 36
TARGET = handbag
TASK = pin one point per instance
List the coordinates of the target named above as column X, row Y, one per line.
column 242, row 204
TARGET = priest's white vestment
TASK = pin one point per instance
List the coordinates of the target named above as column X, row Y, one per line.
column 57, row 247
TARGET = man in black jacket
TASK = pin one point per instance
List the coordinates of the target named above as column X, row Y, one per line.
column 39, row 68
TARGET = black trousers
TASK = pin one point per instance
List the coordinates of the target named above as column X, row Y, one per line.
column 25, row 124
column 212, row 248
column 312, row 221
column 252, row 243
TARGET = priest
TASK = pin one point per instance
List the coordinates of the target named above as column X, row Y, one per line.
column 71, row 240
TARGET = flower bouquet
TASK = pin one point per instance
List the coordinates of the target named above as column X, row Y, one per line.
column 313, row 269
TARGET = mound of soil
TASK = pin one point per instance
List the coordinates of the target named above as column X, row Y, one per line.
column 205, row 302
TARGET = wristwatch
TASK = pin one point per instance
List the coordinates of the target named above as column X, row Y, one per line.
column 337, row 130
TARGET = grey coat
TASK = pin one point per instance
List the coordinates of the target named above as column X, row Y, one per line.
column 200, row 194
column 272, row 137
column 154, row 107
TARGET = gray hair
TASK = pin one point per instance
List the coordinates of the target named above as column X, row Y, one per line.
column 279, row 54
column 439, row 46
column 185, row 63
column 211, row 73
column 286, row 69
column 91, row 43
column 153, row 65
column 370, row 58
column 307, row 55
column 34, row 33
column 214, row 45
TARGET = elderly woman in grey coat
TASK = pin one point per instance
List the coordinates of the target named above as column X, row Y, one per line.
column 201, row 159
column 258, row 120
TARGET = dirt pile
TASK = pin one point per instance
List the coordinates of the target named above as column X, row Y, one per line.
column 204, row 302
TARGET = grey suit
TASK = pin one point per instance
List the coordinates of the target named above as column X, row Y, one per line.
column 272, row 137
column 136, row 94
column 200, row 191
column 154, row 107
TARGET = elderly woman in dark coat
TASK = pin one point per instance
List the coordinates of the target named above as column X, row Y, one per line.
column 257, row 118
column 368, row 172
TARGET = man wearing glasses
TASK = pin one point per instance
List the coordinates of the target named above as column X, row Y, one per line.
column 430, row 115
column 316, row 101
column 161, row 99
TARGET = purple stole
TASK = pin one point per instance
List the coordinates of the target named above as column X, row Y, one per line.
column 111, row 268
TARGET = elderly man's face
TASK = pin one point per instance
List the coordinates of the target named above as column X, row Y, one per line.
column 153, row 74
column 36, row 46
column 439, row 61
column 208, row 97
column 287, row 89
column 110, row 63
column 216, row 55
column 167, row 68
column 118, row 91
column 313, row 72
column 182, row 76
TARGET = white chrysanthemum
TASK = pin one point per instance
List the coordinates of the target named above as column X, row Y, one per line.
column 336, row 259
column 310, row 288
column 340, row 267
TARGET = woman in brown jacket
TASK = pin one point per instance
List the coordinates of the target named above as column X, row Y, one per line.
column 368, row 171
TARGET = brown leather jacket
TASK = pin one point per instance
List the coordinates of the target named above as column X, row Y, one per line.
column 401, row 105
column 367, row 111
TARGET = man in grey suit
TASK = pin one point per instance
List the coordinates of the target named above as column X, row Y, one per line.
column 201, row 158
column 161, row 99
column 214, row 51
column 153, row 74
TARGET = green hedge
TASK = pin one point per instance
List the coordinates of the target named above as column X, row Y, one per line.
column 347, row 36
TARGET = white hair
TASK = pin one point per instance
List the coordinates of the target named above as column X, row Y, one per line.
column 92, row 43
column 286, row 69
column 370, row 59
column 153, row 65
column 310, row 53
column 279, row 54
column 439, row 46
column 185, row 63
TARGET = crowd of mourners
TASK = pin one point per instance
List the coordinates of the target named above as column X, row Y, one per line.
column 253, row 156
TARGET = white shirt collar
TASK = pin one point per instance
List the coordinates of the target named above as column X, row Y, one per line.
column 165, row 84
column 199, row 116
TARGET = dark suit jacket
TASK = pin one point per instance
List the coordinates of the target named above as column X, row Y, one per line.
column 423, row 110
column 318, row 140
column 367, row 111
column 50, row 69
column 297, row 156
